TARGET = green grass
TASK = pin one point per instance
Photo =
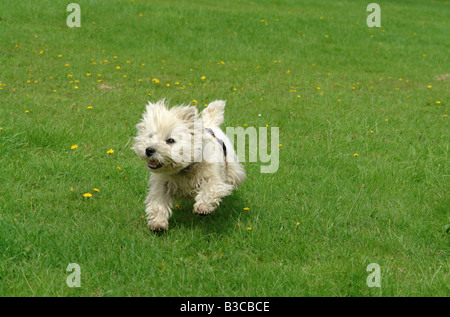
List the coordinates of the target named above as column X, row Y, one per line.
column 314, row 228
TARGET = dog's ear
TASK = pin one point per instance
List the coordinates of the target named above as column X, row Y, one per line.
column 188, row 113
column 140, row 126
column 154, row 106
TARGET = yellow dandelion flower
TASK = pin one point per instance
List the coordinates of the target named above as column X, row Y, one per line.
column 87, row 195
column 89, row 107
column 96, row 190
column 74, row 147
column 246, row 208
column 110, row 151
column 249, row 228
column 438, row 102
column 41, row 52
column 27, row 111
column 203, row 77
column 118, row 167
column 356, row 155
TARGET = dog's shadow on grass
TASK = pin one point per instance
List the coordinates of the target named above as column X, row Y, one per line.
column 229, row 215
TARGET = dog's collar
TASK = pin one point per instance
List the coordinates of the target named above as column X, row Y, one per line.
column 224, row 147
column 187, row 168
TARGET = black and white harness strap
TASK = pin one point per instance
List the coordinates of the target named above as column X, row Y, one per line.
column 224, row 147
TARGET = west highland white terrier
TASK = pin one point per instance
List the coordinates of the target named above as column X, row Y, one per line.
column 189, row 156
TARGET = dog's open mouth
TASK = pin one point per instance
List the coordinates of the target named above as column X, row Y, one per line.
column 154, row 164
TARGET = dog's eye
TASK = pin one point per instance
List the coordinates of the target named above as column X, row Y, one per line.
column 170, row 141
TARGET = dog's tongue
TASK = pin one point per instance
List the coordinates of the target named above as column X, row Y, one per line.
column 153, row 163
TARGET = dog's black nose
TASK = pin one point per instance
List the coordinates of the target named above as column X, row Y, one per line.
column 149, row 151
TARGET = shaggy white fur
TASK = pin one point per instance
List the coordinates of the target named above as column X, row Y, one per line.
column 184, row 152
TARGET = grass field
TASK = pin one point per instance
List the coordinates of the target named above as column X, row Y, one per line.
column 364, row 136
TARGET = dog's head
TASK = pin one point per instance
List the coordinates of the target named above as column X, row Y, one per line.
column 167, row 138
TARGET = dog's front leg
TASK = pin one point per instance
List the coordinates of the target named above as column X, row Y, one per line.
column 210, row 195
column 158, row 207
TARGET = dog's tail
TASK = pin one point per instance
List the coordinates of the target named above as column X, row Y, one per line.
column 213, row 114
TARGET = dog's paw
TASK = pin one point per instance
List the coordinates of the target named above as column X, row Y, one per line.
column 203, row 209
column 158, row 225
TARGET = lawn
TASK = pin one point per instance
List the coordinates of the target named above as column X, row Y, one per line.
column 363, row 171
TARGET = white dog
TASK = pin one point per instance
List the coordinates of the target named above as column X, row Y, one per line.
column 188, row 156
